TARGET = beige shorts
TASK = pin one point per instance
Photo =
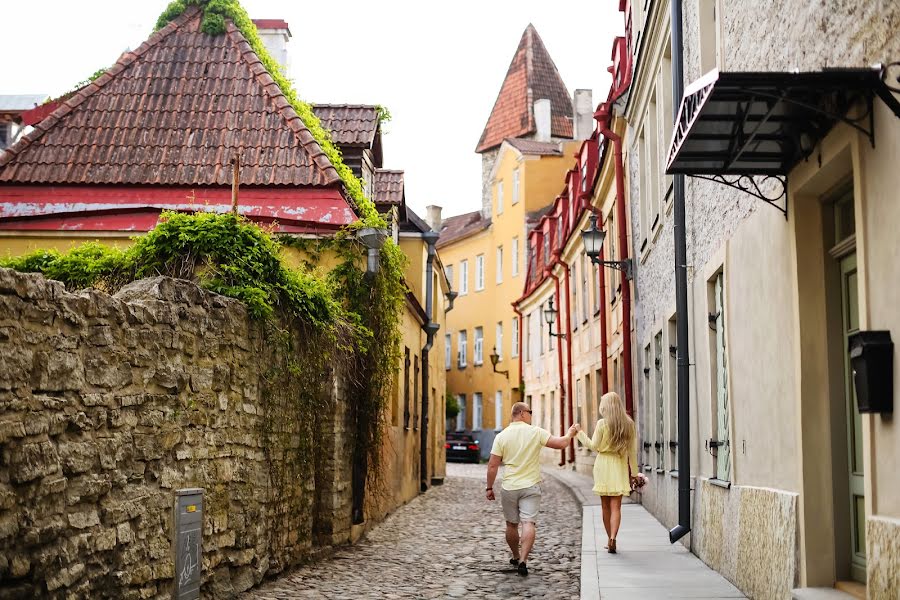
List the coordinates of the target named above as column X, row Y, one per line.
column 521, row 505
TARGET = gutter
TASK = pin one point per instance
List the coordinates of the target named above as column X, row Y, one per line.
column 430, row 328
column 681, row 307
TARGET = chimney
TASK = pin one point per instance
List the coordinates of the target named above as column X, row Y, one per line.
column 584, row 114
column 433, row 217
column 275, row 35
column 542, row 119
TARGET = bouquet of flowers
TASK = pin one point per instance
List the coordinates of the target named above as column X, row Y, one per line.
column 638, row 481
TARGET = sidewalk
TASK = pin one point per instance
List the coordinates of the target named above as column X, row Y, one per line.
column 647, row 566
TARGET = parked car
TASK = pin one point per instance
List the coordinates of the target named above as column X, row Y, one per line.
column 462, row 447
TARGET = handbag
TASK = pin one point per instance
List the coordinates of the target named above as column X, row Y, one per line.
column 637, row 481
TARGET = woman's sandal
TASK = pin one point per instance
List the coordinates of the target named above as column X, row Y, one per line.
column 612, row 546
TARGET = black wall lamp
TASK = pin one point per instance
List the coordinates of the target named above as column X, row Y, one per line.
column 495, row 358
column 593, row 242
column 550, row 317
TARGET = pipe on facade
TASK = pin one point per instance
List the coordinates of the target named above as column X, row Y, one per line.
column 430, row 328
column 568, row 340
column 562, row 384
column 681, row 307
column 604, row 117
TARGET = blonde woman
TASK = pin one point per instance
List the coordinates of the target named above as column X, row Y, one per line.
column 616, row 445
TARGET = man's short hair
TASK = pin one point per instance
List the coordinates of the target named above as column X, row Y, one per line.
column 518, row 408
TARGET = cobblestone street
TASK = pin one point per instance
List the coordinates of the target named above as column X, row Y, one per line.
column 447, row 543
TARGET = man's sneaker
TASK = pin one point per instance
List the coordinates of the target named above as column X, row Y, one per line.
column 514, row 562
column 523, row 570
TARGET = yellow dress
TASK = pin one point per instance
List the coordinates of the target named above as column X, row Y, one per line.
column 610, row 468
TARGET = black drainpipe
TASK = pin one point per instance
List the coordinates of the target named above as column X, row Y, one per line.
column 681, row 307
column 431, row 328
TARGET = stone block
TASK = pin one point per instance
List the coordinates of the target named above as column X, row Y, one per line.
column 15, row 367
column 9, row 524
column 64, row 578
column 124, row 533
column 11, row 429
column 108, row 371
column 88, row 488
column 19, row 566
column 78, row 457
column 82, row 519
column 29, row 461
column 57, row 372
column 105, row 539
column 883, row 557
column 99, row 335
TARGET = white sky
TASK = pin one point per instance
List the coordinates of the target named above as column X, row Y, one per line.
column 436, row 66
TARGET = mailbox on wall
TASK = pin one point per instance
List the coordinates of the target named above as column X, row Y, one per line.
column 872, row 363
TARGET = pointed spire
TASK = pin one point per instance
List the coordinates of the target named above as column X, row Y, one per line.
column 531, row 76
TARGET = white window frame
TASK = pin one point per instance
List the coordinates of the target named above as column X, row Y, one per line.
column 528, row 340
column 515, row 256
column 498, row 340
column 479, row 346
column 499, row 264
column 500, row 197
column 515, row 193
column 448, row 351
column 461, row 415
column 477, row 411
column 448, row 272
column 462, row 349
column 479, row 273
column 463, row 277
column 515, row 338
column 498, row 410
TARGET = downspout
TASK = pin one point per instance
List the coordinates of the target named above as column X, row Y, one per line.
column 681, row 307
column 604, row 117
column 562, row 385
column 430, row 328
column 568, row 340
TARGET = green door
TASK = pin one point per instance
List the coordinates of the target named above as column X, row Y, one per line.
column 850, row 318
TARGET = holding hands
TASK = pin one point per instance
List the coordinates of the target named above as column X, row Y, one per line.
column 573, row 430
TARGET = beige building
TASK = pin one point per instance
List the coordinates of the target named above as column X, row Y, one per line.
column 790, row 255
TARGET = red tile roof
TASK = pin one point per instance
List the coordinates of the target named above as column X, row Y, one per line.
column 534, row 147
column 531, row 76
column 461, row 226
column 173, row 112
column 388, row 187
column 350, row 124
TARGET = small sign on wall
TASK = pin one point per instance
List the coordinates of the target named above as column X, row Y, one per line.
column 187, row 540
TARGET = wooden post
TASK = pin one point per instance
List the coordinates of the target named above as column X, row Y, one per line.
column 235, row 182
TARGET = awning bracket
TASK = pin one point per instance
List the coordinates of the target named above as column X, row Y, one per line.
column 761, row 187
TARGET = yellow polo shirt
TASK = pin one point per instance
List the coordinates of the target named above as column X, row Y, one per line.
column 519, row 445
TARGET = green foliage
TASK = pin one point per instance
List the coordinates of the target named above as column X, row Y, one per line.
column 232, row 9
column 452, row 407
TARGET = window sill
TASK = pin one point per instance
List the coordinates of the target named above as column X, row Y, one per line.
column 478, row 364
column 647, row 468
column 673, row 474
column 660, row 471
column 720, row 483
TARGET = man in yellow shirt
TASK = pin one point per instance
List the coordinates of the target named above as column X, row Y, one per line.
column 518, row 448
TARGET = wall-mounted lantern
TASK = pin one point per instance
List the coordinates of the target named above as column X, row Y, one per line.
column 872, row 362
column 495, row 358
column 592, row 238
column 550, row 317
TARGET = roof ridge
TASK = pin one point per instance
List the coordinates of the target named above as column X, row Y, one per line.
column 282, row 105
column 82, row 94
column 349, row 105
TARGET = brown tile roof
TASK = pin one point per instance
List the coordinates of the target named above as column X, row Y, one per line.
column 535, row 147
column 388, row 187
column 531, row 76
column 173, row 112
column 350, row 124
column 461, row 226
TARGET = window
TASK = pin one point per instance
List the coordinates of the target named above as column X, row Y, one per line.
column 666, row 120
column 579, row 396
column 415, row 398
column 448, row 351
column 515, row 256
column 540, row 315
column 543, row 410
column 546, row 237
column 528, row 340
column 498, row 411
column 643, row 192
column 651, row 167
column 463, row 277
column 462, row 349
column 719, row 368
column 479, row 272
column 499, row 197
column 710, row 40
column 477, row 411
column 575, row 296
column 584, row 175
column 673, row 396
column 551, row 423
column 515, row 337
column 406, row 363
column 595, row 275
column 479, row 345
column 515, row 193
column 645, row 408
column 448, row 271
column 586, row 410
column 584, row 288
column 499, row 264
column 612, row 275
column 498, row 340
column 595, row 407
column 660, row 402
column 461, row 416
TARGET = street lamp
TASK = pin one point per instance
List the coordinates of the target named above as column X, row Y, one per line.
column 550, row 317
column 593, row 242
column 495, row 358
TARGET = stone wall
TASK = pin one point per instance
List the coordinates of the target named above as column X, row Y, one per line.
column 108, row 404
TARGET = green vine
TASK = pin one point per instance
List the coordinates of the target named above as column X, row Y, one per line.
column 214, row 14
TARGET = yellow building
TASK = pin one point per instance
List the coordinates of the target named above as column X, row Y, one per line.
column 526, row 149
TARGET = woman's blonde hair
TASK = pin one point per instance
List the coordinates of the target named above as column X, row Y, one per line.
column 619, row 425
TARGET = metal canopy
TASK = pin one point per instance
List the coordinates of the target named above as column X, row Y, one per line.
column 734, row 126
